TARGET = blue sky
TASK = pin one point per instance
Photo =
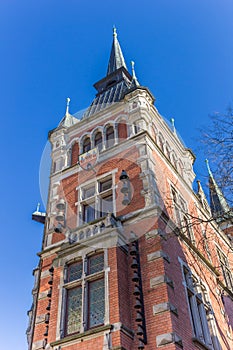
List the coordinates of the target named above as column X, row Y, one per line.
column 54, row 49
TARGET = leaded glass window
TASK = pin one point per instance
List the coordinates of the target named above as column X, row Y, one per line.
column 96, row 263
column 96, row 303
column 74, row 271
column 74, row 310
column 85, row 294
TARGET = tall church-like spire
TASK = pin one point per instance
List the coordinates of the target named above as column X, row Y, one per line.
column 115, row 84
column 218, row 203
column 116, row 60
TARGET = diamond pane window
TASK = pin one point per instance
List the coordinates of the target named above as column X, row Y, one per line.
column 96, row 263
column 96, row 303
column 85, row 294
column 74, row 310
column 75, row 271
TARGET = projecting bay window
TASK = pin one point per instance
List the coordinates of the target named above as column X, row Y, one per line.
column 85, row 295
column 96, row 200
column 201, row 313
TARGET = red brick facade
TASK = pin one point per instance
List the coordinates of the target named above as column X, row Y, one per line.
column 163, row 274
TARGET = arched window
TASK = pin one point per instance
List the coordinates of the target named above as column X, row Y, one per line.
column 86, row 144
column 110, row 136
column 98, row 141
column 168, row 150
column 74, row 153
column 174, row 160
column 161, row 142
column 122, row 130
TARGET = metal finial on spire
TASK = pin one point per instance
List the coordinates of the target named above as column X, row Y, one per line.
column 114, row 31
column 67, row 105
column 38, row 207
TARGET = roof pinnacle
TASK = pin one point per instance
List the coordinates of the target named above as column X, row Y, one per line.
column 218, row 203
column 67, row 106
column 134, row 78
column 173, row 125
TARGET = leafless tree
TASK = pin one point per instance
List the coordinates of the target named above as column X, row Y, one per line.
column 218, row 142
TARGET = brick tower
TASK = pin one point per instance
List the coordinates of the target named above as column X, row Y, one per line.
column 132, row 257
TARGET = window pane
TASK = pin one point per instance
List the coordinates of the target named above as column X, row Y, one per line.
column 96, row 263
column 106, row 206
column 86, row 145
column 105, row 185
column 88, row 192
column 74, row 310
column 110, row 136
column 98, row 140
column 96, row 303
column 88, row 212
column 74, row 271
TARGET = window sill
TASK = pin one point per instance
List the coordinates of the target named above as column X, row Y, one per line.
column 200, row 344
column 88, row 333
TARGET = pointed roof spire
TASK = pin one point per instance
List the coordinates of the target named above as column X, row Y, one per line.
column 134, row 78
column 218, row 203
column 116, row 60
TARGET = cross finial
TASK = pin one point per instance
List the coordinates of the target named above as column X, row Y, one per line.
column 67, row 105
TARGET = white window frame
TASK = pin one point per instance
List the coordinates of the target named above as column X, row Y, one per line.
column 83, row 283
column 96, row 198
column 200, row 310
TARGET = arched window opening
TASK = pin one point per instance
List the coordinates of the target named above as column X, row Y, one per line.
column 86, row 144
column 173, row 160
column 110, row 136
column 75, row 153
column 161, row 142
column 98, row 141
column 122, row 131
column 168, row 150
